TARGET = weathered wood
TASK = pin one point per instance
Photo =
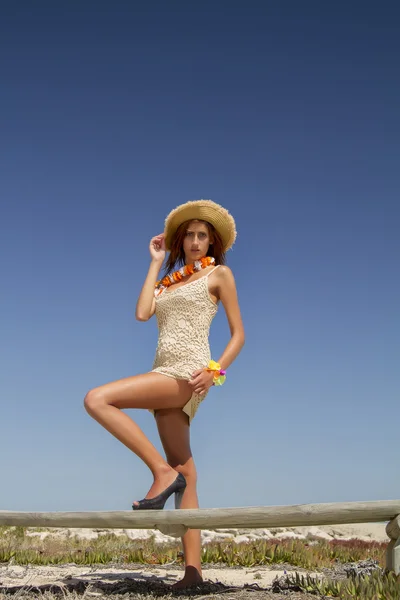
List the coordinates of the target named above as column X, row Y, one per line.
column 393, row 556
column 393, row 548
column 176, row 531
column 214, row 518
column 393, row 528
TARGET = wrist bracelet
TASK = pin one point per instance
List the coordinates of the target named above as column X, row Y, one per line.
column 219, row 374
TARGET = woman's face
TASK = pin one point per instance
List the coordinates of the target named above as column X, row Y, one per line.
column 196, row 241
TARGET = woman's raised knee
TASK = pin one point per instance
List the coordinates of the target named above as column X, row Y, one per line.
column 93, row 400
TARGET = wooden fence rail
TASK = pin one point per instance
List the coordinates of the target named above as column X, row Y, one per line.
column 176, row 522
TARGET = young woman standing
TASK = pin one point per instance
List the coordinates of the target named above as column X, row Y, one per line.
column 197, row 235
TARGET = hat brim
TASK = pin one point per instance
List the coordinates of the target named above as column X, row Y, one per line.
column 202, row 210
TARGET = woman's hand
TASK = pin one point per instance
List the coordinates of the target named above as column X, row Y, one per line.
column 201, row 381
column 157, row 247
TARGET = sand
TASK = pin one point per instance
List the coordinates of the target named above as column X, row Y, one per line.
column 361, row 531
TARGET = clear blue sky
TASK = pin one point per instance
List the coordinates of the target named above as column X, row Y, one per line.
column 287, row 113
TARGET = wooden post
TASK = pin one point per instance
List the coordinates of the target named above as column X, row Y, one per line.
column 393, row 549
column 177, row 530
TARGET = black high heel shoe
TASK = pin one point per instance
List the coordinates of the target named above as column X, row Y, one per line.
column 159, row 501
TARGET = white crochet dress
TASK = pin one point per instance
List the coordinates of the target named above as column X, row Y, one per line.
column 184, row 315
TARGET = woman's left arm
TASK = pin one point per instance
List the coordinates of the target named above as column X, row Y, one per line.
column 226, row 289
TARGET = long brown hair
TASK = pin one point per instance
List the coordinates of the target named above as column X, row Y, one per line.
column 176, row 256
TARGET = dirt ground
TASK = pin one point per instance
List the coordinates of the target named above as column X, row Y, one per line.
column 140, row 582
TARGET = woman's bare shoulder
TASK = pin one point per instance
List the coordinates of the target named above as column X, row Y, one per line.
column 224, row 272
column 224, row 278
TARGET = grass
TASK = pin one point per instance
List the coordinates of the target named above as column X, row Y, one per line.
column 20, row 547
column 111, row 548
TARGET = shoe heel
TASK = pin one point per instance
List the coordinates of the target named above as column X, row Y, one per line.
column 178, row 498
column 159, row 501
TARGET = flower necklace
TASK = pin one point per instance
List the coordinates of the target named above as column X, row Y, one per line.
column 168, row 280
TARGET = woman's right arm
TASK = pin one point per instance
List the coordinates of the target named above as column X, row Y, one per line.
column 146, row 304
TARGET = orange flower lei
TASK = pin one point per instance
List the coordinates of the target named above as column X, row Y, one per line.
column 184, row 271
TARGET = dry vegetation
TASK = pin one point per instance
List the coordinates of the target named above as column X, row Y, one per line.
column 348, row 569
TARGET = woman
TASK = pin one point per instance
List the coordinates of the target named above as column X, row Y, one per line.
column 197, row 234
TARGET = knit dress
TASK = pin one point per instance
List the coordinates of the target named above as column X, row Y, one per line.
column 184, row 315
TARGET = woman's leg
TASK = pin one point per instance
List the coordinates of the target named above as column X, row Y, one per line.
column 174, row 430
column 150, row 390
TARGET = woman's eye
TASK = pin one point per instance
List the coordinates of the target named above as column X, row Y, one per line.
column 201, row 235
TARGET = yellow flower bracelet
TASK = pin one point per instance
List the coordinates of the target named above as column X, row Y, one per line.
column 220, row 374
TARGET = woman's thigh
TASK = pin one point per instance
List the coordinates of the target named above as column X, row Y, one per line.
column 148, row 391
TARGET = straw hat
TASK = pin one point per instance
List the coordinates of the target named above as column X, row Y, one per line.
column 202, row 210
